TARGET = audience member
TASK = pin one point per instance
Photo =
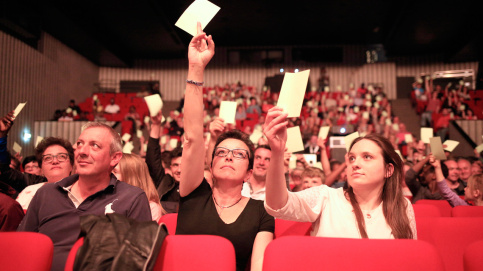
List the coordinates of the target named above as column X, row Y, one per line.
column 30, row 165
column 56, row 207
column 220, row 209
column 296, row 179
column 453, row 180
column 464, row 166
column 112, row 107
column 312, row 176
column 254, row 187
column 254, row 107
column 134, row 171
column 372, row 206
column 56, row 157
column 11, row 213
column 167, row 183
column 420, row 179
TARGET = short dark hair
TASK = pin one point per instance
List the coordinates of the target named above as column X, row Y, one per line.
column 237, row 134
column 28, row 159
column 175, row 153
column 50, row 141
column 265, row 146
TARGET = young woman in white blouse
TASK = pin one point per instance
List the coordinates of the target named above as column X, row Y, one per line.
column 371, row 206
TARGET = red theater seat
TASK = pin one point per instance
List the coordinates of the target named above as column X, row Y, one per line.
column 467, row 211
column 473, row 256
column 26, row 251
column 442, row 205
column 426, row 210
column 287, row 228
column 170, row 220
column 335, row 254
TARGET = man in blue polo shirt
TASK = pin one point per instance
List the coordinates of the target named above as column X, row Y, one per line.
column 56, row 208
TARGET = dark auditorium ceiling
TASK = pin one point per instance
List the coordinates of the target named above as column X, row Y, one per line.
column 115, row 33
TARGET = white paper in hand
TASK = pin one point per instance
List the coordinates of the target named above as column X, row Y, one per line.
column 228, row 111
column 199, row 11
column 324, row 131
column 18, row 109
column 128, row 147
column 294, row 140
column 292, row 93
column 155, row 104
column 450, row 145
column 426, row 134
column 16, row 147
column 255, row 136
column 437, row 148
column 125, row 137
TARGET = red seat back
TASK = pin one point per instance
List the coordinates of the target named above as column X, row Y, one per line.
column 442, row 205
column 317, row 253
column 287, row 228
column 467, row 211
column 26, row 251
column 450, row 236
column 426, row 210
column 473, row 256
column 170, row 220
column 196, row 252
column 69, row 264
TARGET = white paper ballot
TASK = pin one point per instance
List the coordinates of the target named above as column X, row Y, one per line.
column 450, row 145
column 139, row 133
column 255, row 136
column 324, row 131
column 318, row 165
column 349, row 138
column 128, row 147
column 479, row 148
column 18, row 109
column 173, row 143
column 199, row 11
column 228, row 111
column 163, row 139
column 408, row 138
column 155, row 104
column 16, row 147
column 294, row 140
column 125, row 137
column 292, row 163
column 292, row 92
column 437, row 148
column 38, row 140
column 426, row 134
column 311, row 159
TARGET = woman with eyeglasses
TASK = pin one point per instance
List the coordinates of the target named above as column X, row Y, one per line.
column 219, row 209
column 56, row 157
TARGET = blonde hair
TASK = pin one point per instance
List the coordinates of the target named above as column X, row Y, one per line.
column 134, row 171
column 475, row 182
column 312, row 172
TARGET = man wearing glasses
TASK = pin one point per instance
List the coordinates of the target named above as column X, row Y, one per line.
column 57, row 207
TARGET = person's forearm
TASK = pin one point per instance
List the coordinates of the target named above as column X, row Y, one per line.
column 276, row 194
column 155, row 130
column 419, row 165
column 334, row 175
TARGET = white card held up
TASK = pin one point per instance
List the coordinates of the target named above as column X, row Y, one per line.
column 125, row 137
column 38, row 140
column 349, row 138
column 16, row 147
column 479, row 148
column 139, row 133
column 450, row 145
column 199, row 11
column 255, row 136
column 437, row 148
column 128, row 147
column 408, row 138
column 173, row 143
column 155, row 104
column 294, row 140
column 292, row 163
column 318, row 165
column 324, row 131
column 311, row 159
column 228, row 111
column 292, row 92
column 18, row 109
column 426, row 134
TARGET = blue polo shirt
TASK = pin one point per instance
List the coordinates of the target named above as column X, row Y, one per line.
column 53, row 213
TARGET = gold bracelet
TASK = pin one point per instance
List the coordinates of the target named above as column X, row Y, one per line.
column 195, row 83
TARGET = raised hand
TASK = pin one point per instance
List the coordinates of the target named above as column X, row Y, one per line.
column 275, row 129
column 156, row 120
column 201, row 48
column 217, row 127
column 6, row 123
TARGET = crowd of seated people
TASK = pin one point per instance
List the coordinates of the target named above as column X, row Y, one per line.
column 223, row 161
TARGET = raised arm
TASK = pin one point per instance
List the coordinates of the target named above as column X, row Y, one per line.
column 201, row 50
column 324, row 159
column 217, row 126
column 153, row 153
column 444, row 190
column 275, row 130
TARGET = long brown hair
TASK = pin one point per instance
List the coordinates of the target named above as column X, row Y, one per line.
column 134, row 171
column 394, row 205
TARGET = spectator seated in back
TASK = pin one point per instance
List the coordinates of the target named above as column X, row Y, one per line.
column 30, row 165
column 112, row 107
column 312, row 176
column 56, row 208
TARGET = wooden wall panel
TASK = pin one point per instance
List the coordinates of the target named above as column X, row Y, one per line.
column 46, row 78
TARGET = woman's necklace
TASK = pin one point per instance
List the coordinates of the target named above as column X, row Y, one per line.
column 225, row 207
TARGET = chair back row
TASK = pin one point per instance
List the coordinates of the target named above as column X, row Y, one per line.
column 441, row 208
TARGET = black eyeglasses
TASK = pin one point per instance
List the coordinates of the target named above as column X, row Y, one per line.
column 49, row 158
column 237, row 153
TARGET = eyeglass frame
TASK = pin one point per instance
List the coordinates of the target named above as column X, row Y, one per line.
column 54, row 156
column 247, row 153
